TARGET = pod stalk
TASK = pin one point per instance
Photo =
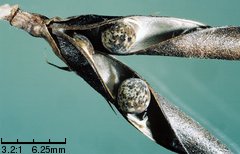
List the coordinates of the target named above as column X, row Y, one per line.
column 31, row 23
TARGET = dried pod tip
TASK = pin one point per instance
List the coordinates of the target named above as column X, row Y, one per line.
column 119, row 37
column 133, row 96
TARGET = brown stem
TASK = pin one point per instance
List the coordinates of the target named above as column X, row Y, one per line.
column 32, row 23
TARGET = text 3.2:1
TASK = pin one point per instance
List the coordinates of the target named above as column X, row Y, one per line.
column 11, row 149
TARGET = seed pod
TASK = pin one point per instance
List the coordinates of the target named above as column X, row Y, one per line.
column 76, row 41
column 133, row 96
column 131, row 34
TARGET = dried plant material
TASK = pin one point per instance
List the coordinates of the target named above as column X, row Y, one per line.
column 6, row 11
column 78, row 42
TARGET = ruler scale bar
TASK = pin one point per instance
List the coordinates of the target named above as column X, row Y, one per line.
column 33, row 142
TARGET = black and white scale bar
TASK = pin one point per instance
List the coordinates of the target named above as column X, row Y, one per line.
column 33, row 142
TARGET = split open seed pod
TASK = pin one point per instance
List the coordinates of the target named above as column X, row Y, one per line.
column 78, row 42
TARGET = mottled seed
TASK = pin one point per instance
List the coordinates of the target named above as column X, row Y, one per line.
column 119, row 37
column 133, row 96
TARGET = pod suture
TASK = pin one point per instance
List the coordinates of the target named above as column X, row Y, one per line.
column 84, row 44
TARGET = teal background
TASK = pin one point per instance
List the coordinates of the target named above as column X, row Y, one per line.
column 41, row 102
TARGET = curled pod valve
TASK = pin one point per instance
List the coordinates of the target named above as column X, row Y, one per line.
column 133, row 96
column 133, row 34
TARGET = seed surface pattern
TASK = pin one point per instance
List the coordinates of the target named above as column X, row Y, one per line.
column 133, row 96
column 119, row 37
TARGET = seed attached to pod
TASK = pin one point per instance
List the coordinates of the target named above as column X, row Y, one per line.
column 119, row 37
column 133, row 96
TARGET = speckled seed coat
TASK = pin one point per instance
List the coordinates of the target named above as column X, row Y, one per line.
column 119, row 37
column 133, row 96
